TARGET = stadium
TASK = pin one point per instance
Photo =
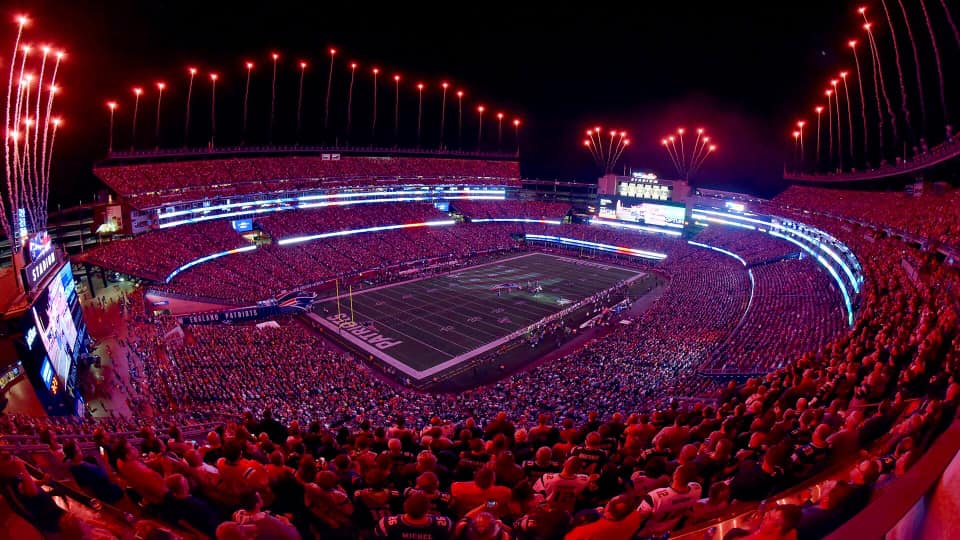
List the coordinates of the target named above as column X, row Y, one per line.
column 398, row 339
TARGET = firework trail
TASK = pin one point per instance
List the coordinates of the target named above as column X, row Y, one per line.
column 916, row 64
column 953, row 25
column 903, row 86
column 936, row 55
column 863, row 100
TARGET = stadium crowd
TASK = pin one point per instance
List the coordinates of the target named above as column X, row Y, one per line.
column 620, row 436
column 512, row 209
column 931, row 216
column 149, row 185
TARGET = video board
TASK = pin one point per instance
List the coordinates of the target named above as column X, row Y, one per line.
column 58, row 331
column 634, row 210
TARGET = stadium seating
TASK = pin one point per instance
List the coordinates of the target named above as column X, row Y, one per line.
column 338, row 450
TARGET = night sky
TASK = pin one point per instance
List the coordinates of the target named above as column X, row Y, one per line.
column 742, row 71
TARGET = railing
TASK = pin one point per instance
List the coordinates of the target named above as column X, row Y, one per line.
column 938, row 154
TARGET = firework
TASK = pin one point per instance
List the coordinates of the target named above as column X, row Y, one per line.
column 687, row 163
column 606, row 150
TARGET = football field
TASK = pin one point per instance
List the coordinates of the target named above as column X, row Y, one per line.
column 425, row 326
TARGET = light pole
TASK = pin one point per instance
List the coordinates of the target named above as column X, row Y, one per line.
column 480, row 110
column 136, row 107
column 156, row 131
column 213, row 109
column 186, row 122
column 516, row 133
column 373, row 125
column 246, row 103
column 419, row 111
column 112, row 105
column 443, row 111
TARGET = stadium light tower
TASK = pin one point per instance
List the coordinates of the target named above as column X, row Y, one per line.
column 499, row 130
column 156, row 132
column 303, row 72
column 373, row 124
column 246, row 103
column 353, row 74
column 819, row 110
column 396, row 109
column 460, row 119
column 516, row 134
column 136, row 107
column 186, row 123
column 326, row 105
column 800, row 125
column 213, row 108
column 480, row 110
column 273, row 98
column 443, row 111
column 419, row 111
column 112, row 105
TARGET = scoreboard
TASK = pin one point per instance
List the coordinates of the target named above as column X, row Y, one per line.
column 640, row 211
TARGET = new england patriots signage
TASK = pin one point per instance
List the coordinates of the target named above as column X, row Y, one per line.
column 290, row 303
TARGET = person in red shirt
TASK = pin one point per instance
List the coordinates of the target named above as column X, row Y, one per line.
column 470, row 495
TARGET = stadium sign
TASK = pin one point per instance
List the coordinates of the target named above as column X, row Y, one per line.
column 290, row 303
column 362, row 332
column 39, row 268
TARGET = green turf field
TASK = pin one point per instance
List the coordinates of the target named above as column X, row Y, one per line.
column 425, row 326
